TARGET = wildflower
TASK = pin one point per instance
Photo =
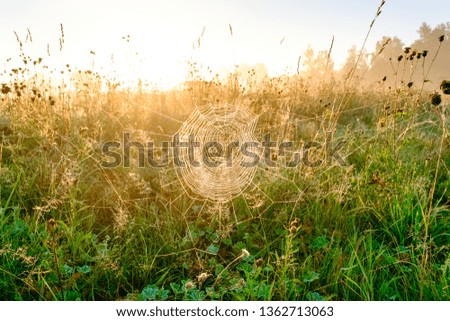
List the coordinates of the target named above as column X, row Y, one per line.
column 245, row 254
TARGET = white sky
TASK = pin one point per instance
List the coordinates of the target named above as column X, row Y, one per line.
column 162, row 32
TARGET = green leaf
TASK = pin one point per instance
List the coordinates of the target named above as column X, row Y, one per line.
column 319, row 243
column 176, row 288
column 310, row 276
column 84, row 269
column 314, row 296
column 213, row 249
column 152, row 292
column 196, row 295
column 219, row 269
column 67, row 270
column 264, row 291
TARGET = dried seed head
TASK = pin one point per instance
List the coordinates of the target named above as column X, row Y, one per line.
column 436, row 99
column 202, row 277
column 292, row 230
column 424, row 53
column 295, row 221
column 189, row 285
column 51, row 226
column 441, row 38
column 445, row 87
column 241, row 283
column 407, row 50
column 400, row 58
column 259, row 262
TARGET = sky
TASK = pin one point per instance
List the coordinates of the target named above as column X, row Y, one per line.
column 164, row 34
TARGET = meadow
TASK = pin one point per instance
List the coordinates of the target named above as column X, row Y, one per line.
column 377, row 228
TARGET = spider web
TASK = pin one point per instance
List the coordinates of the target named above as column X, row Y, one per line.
column 229, row 193
column 228, row 190
column 226, row 197
column 243, row 193
column 217, row 178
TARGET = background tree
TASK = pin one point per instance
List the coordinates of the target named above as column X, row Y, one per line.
column 316, row 64
column 352, row 67
column 385, row 60
column 430, row 40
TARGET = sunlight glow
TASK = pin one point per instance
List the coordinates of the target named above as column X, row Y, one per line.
column 165, row 36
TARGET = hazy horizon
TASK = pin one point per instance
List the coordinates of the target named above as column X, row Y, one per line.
column 218, row 35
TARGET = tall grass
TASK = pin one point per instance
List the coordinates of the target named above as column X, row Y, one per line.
column 70, row 229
